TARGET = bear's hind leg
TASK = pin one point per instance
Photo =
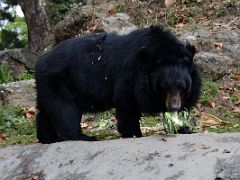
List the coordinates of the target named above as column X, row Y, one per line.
column 62, row 116
column 66, row 121
column 45, row 132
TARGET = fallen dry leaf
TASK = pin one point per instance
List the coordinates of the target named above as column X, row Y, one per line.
column 169, row 3
column 226, row 97
column 150, row 11
column 238, row 101
column 219, row 45
column 30, row 112
column 213, row 105
column 93, row 28
column 208, row 120
column 2, row 137
column 148, row 129
column 84, row 125
column 236, row 110
column 180, row 25
column 237, row 77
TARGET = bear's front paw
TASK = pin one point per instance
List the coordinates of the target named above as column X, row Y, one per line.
column 87, row 138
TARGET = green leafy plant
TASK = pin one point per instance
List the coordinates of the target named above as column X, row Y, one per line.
column 5, row 74
column 174, row 121
column 232, row 128
column 150, row 121
column 104, row 120
column 209, row 91
column 26, row 75
column 9, row 117
column 15, row 127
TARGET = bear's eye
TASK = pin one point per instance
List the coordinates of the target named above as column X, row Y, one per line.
column 187, row 62
column 182, row 86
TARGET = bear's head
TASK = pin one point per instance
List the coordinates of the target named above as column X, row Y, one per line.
column 173, row 77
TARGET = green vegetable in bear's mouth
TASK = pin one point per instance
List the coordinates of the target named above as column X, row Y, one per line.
column 172, row 122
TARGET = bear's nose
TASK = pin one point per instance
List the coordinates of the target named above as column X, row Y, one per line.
column 173, row 101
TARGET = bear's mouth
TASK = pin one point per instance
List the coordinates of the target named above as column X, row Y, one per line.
column 173, row 101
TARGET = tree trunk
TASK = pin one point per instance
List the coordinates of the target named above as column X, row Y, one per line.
column 39, row 34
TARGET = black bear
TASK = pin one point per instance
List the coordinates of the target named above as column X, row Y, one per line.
column 148, row 70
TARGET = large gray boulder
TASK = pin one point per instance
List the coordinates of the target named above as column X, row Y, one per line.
column 214, row 65
column 73, row 24
column 20, row 93
column 92, row 18
column 222, row 41
column 219, row 50
column 18, row 60
column 195, row 156
column 118, row 23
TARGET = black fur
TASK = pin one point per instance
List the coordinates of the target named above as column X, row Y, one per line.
column 131, row 73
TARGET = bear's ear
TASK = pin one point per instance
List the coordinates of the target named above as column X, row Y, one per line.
column 154, row 28
column 190, row 48
column 145, row 57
